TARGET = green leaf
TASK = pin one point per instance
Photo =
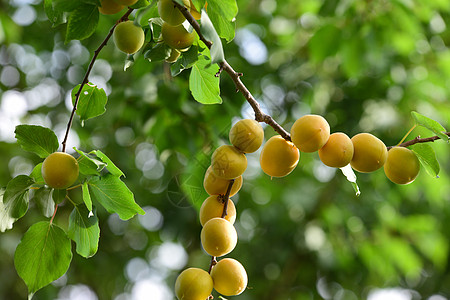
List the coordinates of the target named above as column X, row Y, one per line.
column 110, row 166
column 158, row 52
column 427, row 158
column 66, row 5
column 44, row 201
column 92, row 101
column 82, row 22
column 6, row 221
column 199, row 4
column 16, row 198
column 36, row 174
column 222, row 14
column 43, row 255
column 54, row 15
column 210, row 34
column 351, row 177
column 86, row 196
column 114, row 196
column 59, row 195
column 89, row 165
column 203, row 83
column 37, row 139
column 84, row 230
column 430, row 124
column 325, row 42
column 141, row 3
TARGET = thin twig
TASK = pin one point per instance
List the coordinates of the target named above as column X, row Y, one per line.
column 225, row 199
column 88, row 72
column 418, row 140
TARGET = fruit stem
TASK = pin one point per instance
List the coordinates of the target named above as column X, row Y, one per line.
column 225, row 199
column 88, row 72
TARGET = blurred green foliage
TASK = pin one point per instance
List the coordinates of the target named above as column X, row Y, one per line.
column 363, row 65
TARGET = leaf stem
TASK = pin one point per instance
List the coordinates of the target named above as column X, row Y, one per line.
column 54, row 214
column 88, row 72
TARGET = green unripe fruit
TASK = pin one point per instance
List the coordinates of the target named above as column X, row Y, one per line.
column 170, row 13
column 218, row 186
column 218, row 237
column 338, row 151
column 109, row 7
column 126, row 2
column 128, row 37
column 212, row 207
column 402, row 165
column 369, row 154
column 177, row 36
column 227, row 162
column 229, row 277
column 60, row 170
column 278, row 157
column 247, row 135
column 193, row 284
column 310, row 133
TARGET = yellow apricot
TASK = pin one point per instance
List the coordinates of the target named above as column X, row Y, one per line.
column 109, row 7
column 278, row 157
column 193, row 284
column 170, row 13
column 128, row 37
column 126, row 2
column 229, row 277
column 60, row 170
column 402, row 165
column 218, row 237
column 227, row 162
column 212, row 207
column 217, row 186
column 310, row 133
column 177, row 36
column 369, row 154
column 247, row 135
column 338, row 151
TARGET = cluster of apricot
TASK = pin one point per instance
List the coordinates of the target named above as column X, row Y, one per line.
column 223, row 179
column 364, row 152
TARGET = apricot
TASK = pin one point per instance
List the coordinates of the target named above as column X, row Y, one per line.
column 227, row 162
column 126, row 2
column 170, row 13
column 229, row 277
column 369, row 153
column 60, row 170
column 128, row 37
column 278, row 157
column 217, row 186
column 212, row 207
column 177, row 36
column 247, row 135
column 193, row 284
column 218, row 237
column 109, row 7
column 310, row 133
column 402, row 165
column 338, row 151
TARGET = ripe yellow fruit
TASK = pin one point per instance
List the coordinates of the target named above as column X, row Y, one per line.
column 194, row 12
column 126, row 2
column 109, row 7
column 227, row 162
column 193, row 284
column 369, row 154
column 338, row 151
column 128, row 37
column 278, row 157
column 310, row 133
column 177, row 36
column 402, row 165
column 247, row 135
column 170, row 13
column 212, row 207
column 218, row 237
column 60, row 170
column 217, row 186
column 229, row 277
column 174, row 54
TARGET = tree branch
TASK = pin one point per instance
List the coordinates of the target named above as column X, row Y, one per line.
column 88, row 72
column 419, row 140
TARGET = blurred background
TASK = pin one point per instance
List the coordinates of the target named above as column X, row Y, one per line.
column 362, row 64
